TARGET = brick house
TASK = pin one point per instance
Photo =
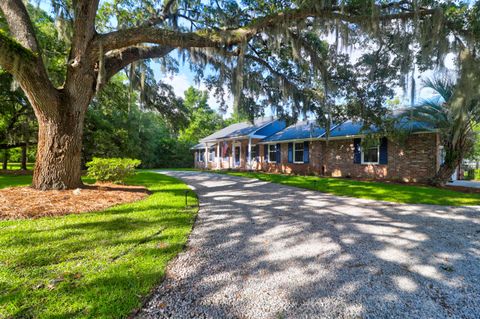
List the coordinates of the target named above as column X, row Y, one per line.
column 304, row 148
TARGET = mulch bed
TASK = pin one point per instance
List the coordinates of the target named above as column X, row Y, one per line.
column 26, row 202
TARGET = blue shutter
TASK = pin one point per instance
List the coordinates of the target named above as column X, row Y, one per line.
column 357, row 155
column 383, row 151
column 306, row 156
column 265, row 153
column 278, row 158
column 290, row 152
column 257, row 152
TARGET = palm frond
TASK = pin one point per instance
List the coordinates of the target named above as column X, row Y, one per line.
column 443, row 85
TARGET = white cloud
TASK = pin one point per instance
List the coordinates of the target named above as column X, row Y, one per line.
column 180, row 84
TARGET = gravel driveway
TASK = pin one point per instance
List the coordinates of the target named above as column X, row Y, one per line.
column 261, row 250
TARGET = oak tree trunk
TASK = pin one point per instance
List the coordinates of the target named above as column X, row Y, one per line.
column 57, row 164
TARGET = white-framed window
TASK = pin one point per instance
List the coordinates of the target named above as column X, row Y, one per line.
column 200, row 154
column 272, row 153
column 211, row 154
column 254, row 154
column 298, row 150
column 371, row 154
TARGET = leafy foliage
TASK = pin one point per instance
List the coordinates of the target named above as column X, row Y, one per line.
column 115, row 170
column 455, row 122
column 116, row 127
column 203, row 120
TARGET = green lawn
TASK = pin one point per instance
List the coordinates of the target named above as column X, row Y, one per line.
column 15, row 180
column 94, row 265
column 391, row 192
column 16, row 166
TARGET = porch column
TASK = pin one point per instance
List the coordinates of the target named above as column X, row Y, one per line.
column 249, row 159
column 218, row 155
column 233, row 153
column 206, row 155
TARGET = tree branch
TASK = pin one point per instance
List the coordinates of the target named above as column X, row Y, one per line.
column 164, row 15
column 85, row 12
column 83, row 32
column 20, row 55
column 19, row 23
column 220, row 38
column 117, row 60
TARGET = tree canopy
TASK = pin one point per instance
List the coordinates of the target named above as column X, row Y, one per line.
column 328, row 58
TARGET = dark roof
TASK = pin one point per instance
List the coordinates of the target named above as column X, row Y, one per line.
column 239, row 129
column 415, row 126
column 275, row 130
column 198, row 146
column 224, row 132
column 350, row 128
column 300, row 130
column 347, row 128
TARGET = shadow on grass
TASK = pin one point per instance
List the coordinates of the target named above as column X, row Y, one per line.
column 93, row 264
column 392, row 192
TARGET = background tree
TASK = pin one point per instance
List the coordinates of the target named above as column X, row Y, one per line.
column 474, row 154
column 17, row 125
column 203, row 120
column 115, row 126
column 264, row 51
column 456, row 123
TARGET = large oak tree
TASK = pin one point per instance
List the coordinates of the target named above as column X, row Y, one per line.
column 274, row 49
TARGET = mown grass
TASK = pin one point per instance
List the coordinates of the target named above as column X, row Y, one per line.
column 25, row 180
column 93, row 265
column 16, row 166
column 15, row 180
column 391, row 192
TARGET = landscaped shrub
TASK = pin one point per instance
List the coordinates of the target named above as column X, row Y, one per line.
column 472, row 174
column 114, row 170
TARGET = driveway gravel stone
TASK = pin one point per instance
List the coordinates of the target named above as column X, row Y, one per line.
column 262, row 250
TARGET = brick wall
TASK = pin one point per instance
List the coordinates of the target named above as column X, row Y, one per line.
column 414, row 160
column 313, row 167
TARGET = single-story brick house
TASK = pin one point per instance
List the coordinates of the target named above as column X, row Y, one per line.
column 304, row 148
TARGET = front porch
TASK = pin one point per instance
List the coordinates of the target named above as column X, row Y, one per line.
column 241, row 154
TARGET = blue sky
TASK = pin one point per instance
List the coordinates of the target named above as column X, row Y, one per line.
column 184, row 79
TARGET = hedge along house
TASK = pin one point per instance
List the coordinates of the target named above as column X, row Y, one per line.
column 305, row 148
column 235, row 146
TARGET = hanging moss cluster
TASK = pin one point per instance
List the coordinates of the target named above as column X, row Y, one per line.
column 11, row 45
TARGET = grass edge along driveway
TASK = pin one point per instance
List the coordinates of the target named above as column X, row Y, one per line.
column 390, row 192
column 94, row 265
